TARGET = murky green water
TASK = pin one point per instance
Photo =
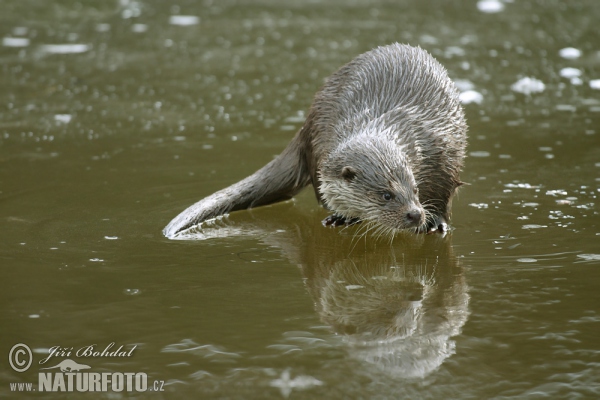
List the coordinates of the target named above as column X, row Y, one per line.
column 117, row 115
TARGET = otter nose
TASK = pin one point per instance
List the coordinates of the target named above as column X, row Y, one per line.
column 414, row 216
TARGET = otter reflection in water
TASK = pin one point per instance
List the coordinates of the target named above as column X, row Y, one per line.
column 395, row 307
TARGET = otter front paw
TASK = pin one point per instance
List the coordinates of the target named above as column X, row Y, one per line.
column 337, row 220
column 437, row 225
column 441, row 227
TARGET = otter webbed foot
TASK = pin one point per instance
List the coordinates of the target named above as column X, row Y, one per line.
column 438, row 225
column 441, row 227
column 337, row 220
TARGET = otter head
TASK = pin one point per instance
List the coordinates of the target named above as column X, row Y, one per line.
column 370, row 178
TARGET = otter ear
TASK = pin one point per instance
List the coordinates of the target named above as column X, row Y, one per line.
column 348, row 173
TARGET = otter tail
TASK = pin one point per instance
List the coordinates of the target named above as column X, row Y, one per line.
column 279, row 180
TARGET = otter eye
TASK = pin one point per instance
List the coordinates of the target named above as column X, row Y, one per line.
column 348, row 173
column 387, row 196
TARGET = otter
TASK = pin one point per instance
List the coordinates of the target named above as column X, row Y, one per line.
column 383, row 144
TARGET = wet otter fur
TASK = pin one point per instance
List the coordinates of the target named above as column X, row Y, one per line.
column 383, row 143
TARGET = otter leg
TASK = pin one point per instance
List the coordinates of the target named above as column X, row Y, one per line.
column 437, row 225
column 337, row 220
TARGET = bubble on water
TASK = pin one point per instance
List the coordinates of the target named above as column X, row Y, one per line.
column 139, row 28
column 20, row 30
column 132, row 292
column 298, row 118
column 470, row 96
column 528, row 86
column 184, row 20
column 479, row 205
column 570, row 72
column 63, row 118
column 102, row 27
column 556, row 192
column 75, row 48
column 354, row 287
column 490, row 6
column 34, row 315
column 96, row 260
column 111, row 237
column 576, row 81
column 522, row 186
column 286, row 385
column 595, row 84
column 564, row 202
column 533, row 226
column 526, row 260
column 530, row 204
column 15, row 42
column 566, row 107
column 131, row 8
column 464, row 84
column 570, row 53
column 479, row 154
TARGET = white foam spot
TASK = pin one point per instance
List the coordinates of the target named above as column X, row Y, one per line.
column 589, row 257
column 570, row 53
column 184, row 20
column 479, row 154
column 286, row 385
column 479, row 205
column 528, row 85
column 20, row 30
column 353, row 287
column 490, row 6
column 139, row 28
column 470, row 96
column 533, row 226
column 558, row 192
column 102, row 27
column 111, row 237
column 570, row 72
column 595, row 84
column 15, row 42
column 530, row 204
column 63, row 118
column 566, row 107
column 464, row 84
column 65, row 48
column 526, row 260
